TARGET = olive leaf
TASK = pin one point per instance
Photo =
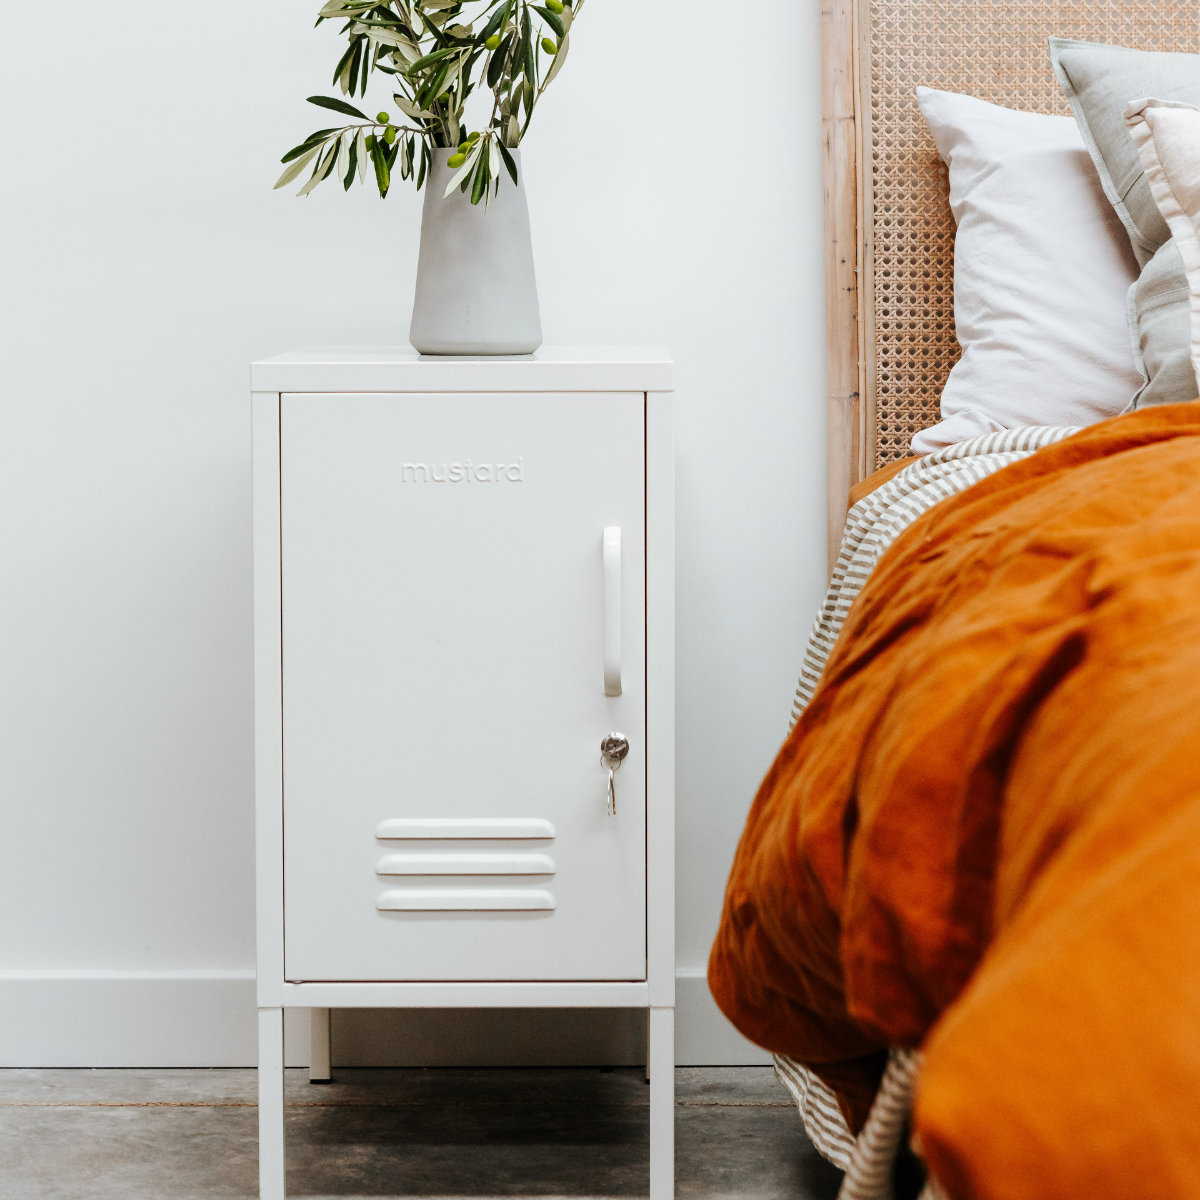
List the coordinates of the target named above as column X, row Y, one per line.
column 432, row 89
column 464, row 170
column 525, row 56
column 338, row 106
column 369, row 24
column 336, row 8
column 429, row 59
column 508, row 160
column 493, row 24
column 307, row 144
column 388, row 36
column 409, row 109
column 499, row 58
column 481, row 180
column 550, row 18
column 324, row 166
column 296, row 168
column 454, row 77
column 343, row 67
column 363, row 154
column 556, row 65
column 383, row 179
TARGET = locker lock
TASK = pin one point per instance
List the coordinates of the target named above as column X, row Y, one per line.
column 612, row 753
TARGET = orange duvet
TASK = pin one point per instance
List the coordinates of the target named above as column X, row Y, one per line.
column 983, row 836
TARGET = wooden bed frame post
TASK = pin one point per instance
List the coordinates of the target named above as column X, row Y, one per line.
column 842, row 164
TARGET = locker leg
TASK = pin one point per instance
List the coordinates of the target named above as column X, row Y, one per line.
column 270, row 1104
column 318, row 1045
column 661, row 1065
column 648, row 1011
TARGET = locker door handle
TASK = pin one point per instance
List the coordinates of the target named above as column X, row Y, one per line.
column 612, row 610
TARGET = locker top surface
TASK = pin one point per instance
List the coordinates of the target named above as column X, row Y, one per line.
column 402, row 369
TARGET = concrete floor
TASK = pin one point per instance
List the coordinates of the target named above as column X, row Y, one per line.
column 446, row 1132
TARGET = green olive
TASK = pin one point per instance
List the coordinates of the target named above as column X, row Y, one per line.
column 389, row 134
column 383, row 118
column 555, row 6
column 456, row 160
column 369, row 141
column 472, row 138
column 493, row 43
column 549, row 47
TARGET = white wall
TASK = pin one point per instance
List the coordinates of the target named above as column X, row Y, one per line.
column 673, row 175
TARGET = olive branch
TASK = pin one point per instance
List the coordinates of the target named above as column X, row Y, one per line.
column 432, row 52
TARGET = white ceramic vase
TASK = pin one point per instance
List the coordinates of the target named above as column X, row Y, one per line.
column 476, row 291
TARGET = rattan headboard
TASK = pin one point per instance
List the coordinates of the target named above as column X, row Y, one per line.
column 889, row 232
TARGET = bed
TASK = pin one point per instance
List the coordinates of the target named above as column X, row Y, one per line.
column 964, row 911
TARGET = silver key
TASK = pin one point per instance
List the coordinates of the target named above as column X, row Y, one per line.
column 612, row 753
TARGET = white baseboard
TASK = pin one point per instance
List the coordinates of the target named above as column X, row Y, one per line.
column 207, row 1019
column 703, row 1037
column 127, row 1019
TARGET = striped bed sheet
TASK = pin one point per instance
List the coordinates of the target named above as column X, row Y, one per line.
column 872, row 525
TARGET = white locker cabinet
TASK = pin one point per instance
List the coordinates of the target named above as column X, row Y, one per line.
column 463, row 587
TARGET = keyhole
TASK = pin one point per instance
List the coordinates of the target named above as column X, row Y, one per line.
column 615, row 746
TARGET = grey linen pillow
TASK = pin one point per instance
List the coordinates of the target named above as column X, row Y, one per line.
column 1160, row 324
column 1099, row 81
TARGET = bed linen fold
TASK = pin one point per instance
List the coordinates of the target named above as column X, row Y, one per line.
column 881, row 508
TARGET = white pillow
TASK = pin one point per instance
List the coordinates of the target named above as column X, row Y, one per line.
column 1167, row 135
column 1042, row 266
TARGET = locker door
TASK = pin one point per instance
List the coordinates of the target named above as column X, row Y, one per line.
column 444, row 698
